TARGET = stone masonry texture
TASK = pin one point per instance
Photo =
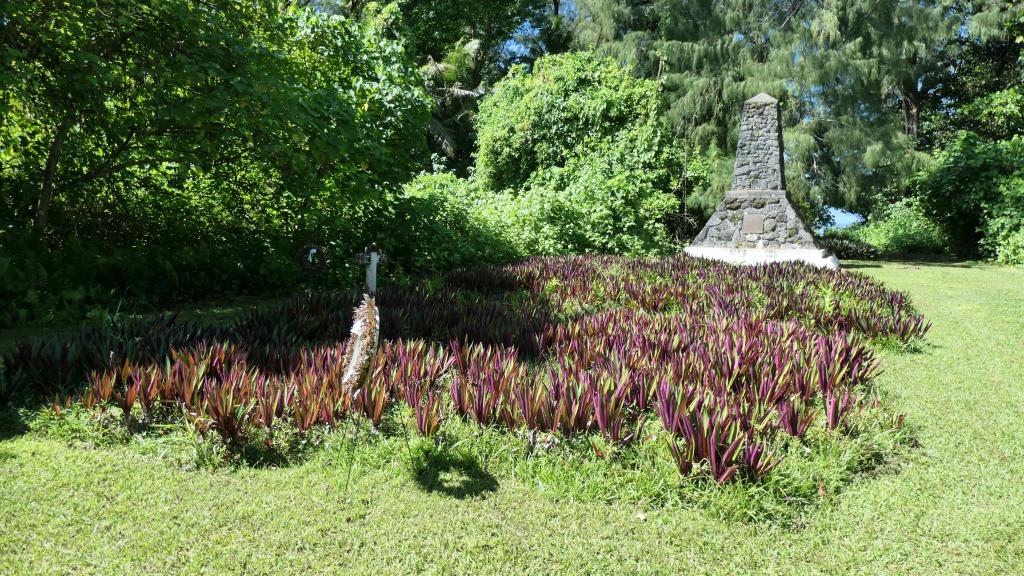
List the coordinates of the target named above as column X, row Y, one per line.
column 759, row 151
column 758, row 188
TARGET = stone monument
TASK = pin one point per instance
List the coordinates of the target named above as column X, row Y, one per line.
column 756, row 223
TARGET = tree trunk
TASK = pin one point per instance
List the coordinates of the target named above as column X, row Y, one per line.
column 911, row 111
column 50, row 172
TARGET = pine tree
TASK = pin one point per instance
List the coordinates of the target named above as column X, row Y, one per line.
column 851, row 75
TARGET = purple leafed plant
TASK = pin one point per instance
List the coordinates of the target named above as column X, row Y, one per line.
column 428, row 414
column 725, row 356
column 795, row 417
column 837, row 407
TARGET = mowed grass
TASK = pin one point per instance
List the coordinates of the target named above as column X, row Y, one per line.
column 955, row 506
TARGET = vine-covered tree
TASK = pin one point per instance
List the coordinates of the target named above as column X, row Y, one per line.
column 576, row 155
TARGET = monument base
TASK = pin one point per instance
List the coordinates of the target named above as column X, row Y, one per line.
column 812, row 256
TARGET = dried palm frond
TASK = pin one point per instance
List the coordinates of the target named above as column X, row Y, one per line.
column 361, row 348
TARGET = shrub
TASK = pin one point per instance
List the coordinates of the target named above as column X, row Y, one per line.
column 971, row 182
column 1009, row 248
column 598, row 203
column 902, row 229
column 846, row 244
column 443, row 224
column 1004, row 223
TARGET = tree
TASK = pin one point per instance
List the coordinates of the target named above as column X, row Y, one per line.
column 550, row 32
column 974, row 124
column 575, row 158
column 851, row 76
column 98, row 91
column 160, row 150
column 541, row 118
column 448, row 82
column 975, row 190
column 461, row 48
column 979, row 87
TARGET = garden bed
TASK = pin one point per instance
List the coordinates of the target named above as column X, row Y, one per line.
column 647, row 380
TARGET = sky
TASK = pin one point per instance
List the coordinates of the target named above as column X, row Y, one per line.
column 844, row 219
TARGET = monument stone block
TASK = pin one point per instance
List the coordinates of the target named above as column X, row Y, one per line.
column 756, row 222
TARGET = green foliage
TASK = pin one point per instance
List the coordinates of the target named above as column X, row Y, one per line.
column 184, row 149
column 462, row 48
column 84, row 279
column 562, row 109
column 975, row 122
column 436, row 25
column 1003, row 228
column 1009, row 242
column 455, row 87
column 901, row 229
column 76, row 425
column 611, row 200
column 973, row 190
column 443, row 225
column 977, row 88
column 573, row 159
column 846, row 243
column 1000, row 115
column 296, row 95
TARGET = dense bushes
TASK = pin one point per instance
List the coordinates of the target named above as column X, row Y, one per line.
column 846, row 244
column 610, row 200
column 902, row 229
column 129, row 174
column 899, row 230
column 445, row 225
column 975, row 190
column 1004, row 228
column 572, row 159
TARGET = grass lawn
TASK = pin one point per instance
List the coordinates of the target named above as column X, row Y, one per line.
column 956, row 505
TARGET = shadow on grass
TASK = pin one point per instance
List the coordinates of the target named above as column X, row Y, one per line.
column 456, row 475
column 11, row 423
column 923, row 261
column 259, row 455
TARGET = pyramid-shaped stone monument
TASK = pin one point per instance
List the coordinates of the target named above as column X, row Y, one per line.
column 756, row 223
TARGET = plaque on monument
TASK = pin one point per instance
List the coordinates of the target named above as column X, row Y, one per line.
column 755, row 222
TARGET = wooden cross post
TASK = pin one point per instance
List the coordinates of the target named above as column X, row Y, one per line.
column 372, row 257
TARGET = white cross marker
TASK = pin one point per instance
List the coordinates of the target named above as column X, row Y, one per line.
column 371, row 257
